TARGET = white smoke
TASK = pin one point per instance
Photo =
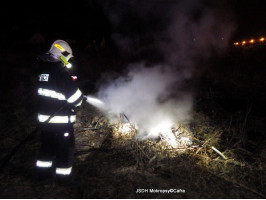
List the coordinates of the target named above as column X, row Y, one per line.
column 153, row 95
column 143, row 95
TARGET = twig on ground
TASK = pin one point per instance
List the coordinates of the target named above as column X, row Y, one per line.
column 219, row 152
column 204, row 144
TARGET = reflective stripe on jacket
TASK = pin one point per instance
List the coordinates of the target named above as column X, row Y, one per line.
column 75, row 99
column 57, row 119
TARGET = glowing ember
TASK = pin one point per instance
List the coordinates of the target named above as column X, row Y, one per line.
column 169, row 136
column 126, row 128
column 164, row 130
column 169, row 139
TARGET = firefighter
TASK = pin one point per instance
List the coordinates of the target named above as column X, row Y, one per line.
column 58, row 96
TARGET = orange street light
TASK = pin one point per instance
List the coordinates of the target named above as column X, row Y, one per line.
column 244, row 42
column 236, row 43
column 251, row 41
column 262, row 39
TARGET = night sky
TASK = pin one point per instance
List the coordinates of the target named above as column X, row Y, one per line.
column 250, row 17
column 53, row 19
column 85, row 20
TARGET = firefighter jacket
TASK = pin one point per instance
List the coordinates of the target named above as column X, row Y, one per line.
column 56, row 90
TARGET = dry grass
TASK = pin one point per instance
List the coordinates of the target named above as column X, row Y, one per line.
column 226, row 164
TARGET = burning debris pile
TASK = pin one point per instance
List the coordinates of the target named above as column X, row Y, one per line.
column 179, row 137
column 175, row 136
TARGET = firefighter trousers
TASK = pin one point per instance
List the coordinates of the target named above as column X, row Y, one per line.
column 57, row 148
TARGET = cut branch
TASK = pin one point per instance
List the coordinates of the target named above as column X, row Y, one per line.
column 219, row 152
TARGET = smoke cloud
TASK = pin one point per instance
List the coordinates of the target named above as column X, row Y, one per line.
column 164, row 42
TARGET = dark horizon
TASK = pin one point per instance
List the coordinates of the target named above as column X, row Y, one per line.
column 86, row 20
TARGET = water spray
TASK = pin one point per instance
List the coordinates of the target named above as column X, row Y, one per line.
column 95, row 102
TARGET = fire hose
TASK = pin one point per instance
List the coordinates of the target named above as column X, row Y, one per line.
column 31, row 135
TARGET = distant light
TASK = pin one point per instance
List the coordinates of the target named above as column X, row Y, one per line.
column 250, row 41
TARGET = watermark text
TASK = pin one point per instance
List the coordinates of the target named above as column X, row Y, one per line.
column 160, row 191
